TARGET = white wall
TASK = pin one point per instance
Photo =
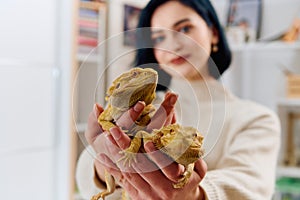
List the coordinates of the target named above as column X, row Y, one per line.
column 28, row 24
column 35, row 66
column 277, row 15
column 256, row 69
column 257, row 73
column 119, row 56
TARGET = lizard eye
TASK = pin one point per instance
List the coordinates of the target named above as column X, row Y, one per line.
column 134, row 74
column 194, row 135
column 118, row 85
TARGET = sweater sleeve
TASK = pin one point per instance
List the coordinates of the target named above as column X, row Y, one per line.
column 246, row 168
column 87, row 182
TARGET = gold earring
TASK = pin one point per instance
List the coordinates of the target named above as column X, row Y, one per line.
column 215, row 48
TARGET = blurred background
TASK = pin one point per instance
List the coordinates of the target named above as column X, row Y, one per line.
column 57, row 58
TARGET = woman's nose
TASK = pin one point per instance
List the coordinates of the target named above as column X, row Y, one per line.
column 174, row 43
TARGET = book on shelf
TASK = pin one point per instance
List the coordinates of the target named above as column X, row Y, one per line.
column 90, row 19
column 88, row 33
column 89, row 27
column 92, row 5
column 87, row 13
column 87, row 23
column 88, row 41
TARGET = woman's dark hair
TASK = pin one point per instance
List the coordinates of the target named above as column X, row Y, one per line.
column 145, row 54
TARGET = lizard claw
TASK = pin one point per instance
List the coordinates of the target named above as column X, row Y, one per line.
column 185, row 177
column 128, row 158
column 99, row 196
column 181, row 182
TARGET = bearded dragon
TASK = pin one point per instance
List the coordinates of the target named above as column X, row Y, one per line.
column 182, row 144
column 126, row 90
column 130, row 87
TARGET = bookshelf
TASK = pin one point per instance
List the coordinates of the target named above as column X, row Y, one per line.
column 292, row 172
column 92, row 29
column 288, row 170
column 91, row 57
column 289, row 114
column 90, row 76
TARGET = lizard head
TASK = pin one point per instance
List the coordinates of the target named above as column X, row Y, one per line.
column 130, row 87
column 183, row 144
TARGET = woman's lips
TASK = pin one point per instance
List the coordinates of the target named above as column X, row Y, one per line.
column 179, row 60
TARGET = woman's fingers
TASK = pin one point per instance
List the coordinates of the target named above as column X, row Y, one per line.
column 132, row 182
column 149, row 171
column 121, row 139
column 163, row 112
column 199, row 172
column 93, row 127
column 129, row 117
column 170, row 118
column 174, row 171
column 171, row 169
column 116, row 136
column 173, row 121
column 200, row 168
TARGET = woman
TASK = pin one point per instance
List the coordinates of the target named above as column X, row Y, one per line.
column 242, row 138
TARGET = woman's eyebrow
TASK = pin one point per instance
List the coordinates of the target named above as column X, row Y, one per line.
column 181, row 21
column 174, row 26
column 156, row 31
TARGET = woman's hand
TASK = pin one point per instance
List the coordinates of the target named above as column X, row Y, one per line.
column 106, row 144
column 147, row 179
column 101, row 141
column 173, row 172
column 144, row 178
column 153, row 179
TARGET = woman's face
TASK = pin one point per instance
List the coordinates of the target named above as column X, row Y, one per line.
column 182, row 40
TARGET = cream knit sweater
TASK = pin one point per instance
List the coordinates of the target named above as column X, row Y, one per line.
column 242, row 141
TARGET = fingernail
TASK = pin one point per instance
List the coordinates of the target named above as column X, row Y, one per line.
column 173, row 99
column 167, row 94
column 138, row 107
column 115, row 133
column 96, row 111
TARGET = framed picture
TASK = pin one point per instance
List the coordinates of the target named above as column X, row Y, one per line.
column 131, row 17
column 244, row 19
